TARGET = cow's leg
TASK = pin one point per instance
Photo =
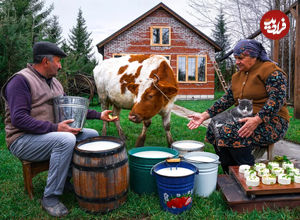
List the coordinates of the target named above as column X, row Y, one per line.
column 166, row 118
column 141, row 139
column 104, row 106
column 116, row 111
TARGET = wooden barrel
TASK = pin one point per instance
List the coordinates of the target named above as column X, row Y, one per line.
column 100, row 173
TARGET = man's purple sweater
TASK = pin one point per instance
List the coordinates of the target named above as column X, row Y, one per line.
column 18, row 96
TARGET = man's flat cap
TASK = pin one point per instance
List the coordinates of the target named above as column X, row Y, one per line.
column 47, row 48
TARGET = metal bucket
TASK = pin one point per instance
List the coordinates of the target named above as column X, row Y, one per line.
column 206, row 180
column 175, row 191
column 187, row 146
column 140, row 165
column 71, row 107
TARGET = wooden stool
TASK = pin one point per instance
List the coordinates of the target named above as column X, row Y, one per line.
column 30, row 170
column 258, row 152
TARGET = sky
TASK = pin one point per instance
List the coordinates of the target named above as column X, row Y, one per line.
column 104, row 17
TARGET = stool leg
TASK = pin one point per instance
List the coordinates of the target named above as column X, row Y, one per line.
column 28, row 179
column 270, row 152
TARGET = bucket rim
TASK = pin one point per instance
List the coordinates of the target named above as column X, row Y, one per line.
column 195, row 169
column 187, row 148
column 131, row 152
column 216, row 160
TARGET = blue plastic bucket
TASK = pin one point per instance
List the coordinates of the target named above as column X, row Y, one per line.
column 175, row 192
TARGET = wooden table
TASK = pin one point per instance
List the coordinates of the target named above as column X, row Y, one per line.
column 239, row 201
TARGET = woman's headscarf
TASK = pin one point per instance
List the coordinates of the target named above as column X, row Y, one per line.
column 251, row 48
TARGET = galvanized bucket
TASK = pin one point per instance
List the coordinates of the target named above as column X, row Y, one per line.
column 71, row 107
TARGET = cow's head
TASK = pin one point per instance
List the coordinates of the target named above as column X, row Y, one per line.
column 153, row 94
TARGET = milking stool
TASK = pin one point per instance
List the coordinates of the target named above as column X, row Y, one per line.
column 30, row 170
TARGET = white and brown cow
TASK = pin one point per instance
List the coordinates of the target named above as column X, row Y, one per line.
column 143, row 83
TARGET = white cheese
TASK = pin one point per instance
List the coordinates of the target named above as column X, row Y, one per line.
column 252, row 181
column 243, row 168
column 249, row 173
column 297, row 178
column 262, row 172
column 278, row 170
column 273, row 164
column 287, row 165
column 258, row 166
column 268, row 179
column 293, row 171
column 284, row 179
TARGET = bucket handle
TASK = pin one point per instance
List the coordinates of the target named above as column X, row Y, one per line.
column 168, row 160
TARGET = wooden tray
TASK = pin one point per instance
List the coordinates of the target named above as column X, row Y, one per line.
column 262, row 189
column 236, row 199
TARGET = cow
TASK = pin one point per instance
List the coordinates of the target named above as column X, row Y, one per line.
column 144, row 84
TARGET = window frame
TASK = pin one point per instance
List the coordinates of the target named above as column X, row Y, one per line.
column 160, row 36
column 186, row 69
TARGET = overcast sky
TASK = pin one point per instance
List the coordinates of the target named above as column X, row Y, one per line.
column 104, row 17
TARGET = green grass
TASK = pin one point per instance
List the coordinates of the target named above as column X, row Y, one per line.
column 16, row 204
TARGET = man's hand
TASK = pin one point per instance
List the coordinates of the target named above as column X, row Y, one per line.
column 250, row 125
column 105, row 116
column 197, row 119
column 64, row 126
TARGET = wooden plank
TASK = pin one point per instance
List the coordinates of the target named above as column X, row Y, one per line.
column 297, row 66
column 238, row 201
column 263, row 189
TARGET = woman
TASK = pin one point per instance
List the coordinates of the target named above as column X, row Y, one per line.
column 260, row 80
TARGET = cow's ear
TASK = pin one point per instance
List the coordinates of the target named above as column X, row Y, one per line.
column 167, row 88
column 132, row 87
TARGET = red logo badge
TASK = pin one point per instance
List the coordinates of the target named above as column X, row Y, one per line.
column 274, row 24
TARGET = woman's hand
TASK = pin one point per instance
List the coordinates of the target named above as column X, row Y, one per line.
column 105, row 116
column 64, row 126
column 250, row 125
column 197, row 119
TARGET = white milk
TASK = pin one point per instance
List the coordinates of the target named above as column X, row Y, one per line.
column 99, row 146
column 187, row 145
column 201, row 159
column 174, row 172
column 153, row 154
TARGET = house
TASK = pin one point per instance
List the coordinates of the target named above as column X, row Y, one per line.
column 162, row 31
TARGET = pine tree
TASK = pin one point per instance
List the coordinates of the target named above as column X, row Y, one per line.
column 80, row 58
column 54, row 31
column 222, row 39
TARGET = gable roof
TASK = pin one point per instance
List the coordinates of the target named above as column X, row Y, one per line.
column 159, row 6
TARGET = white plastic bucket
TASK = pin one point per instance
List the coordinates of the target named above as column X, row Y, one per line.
column 186, row 146
column 206, row 179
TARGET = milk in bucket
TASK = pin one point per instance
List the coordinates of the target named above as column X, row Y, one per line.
column 207, row 164
column 186, row 146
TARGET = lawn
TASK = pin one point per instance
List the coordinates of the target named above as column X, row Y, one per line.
column 16, row 204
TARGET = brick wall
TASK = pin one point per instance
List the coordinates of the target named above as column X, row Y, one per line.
column 136, row 40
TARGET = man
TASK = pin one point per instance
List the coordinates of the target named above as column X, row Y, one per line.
column 31, row 133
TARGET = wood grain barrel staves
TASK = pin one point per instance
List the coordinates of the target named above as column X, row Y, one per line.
column 101, row 178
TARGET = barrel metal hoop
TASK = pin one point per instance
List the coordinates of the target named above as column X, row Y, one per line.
column 103, row 200
column 100, row 169
column 99, row 154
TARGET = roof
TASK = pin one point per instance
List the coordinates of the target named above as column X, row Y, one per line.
column 159, row 6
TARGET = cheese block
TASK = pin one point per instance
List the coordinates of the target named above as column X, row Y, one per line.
column 112, row 117
column 292, row 171
column 262, row 172
column 252, row 181
column 284, row 179
column 278, row 170
column 297, row 178
column 287, row 165
column 258, row 166
column 243, row 168
column 268, row 179
column 273, row 164
column 249, row 173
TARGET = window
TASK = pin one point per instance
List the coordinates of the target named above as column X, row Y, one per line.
column 160, row 36
column 191, row 68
